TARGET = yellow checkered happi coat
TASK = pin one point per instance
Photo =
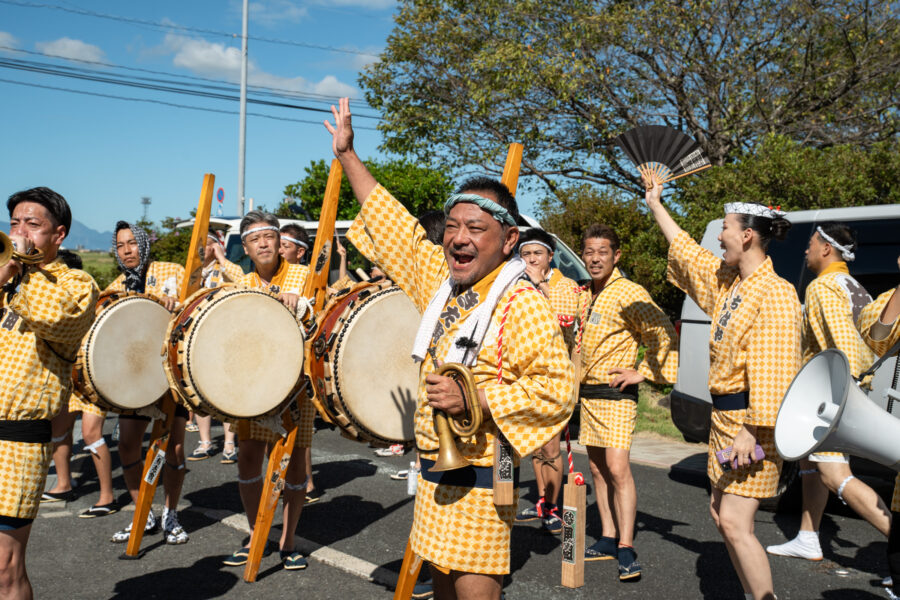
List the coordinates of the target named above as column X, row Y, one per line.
column 162, row 279
column 621, row 318
column 754, row 345
column 867, row 318
column 564, row 295
column 832, row 302
column 290, row 279
column 216, row 274
column 41, row 325
column 460, row 528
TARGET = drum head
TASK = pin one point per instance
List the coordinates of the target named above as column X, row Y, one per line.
column 123, row 360
column 245, row 353
column 377, row 379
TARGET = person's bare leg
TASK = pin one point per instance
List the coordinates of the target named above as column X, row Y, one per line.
column 715, row 502
column 815, row 495
column 310, row 485
column 475, row 586
column 14, row 582
column 552, row 474
column 858, row 496
column 61, row 427
column 736, row 515
column 204, row 426
column 92, row 431
column 624, row 493
column 174, row 472
column 603, row 490
column 131, row 443
column 293, row 498
column 250, row 485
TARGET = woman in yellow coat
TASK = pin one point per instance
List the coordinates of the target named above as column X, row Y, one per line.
column 754, row 354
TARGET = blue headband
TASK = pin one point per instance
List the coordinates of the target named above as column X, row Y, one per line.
column 498, row 212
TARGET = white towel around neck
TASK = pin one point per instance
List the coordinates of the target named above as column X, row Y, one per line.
column 476, row 323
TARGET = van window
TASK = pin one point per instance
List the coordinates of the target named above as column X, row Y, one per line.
column 875, row 266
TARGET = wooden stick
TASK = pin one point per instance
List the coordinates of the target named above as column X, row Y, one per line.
column 193, row 265
column 159, row 436
column 153, row 466
column 511, row 169
column 409, row 573
column 686, row 174
column 574, row 516
column 280, row 458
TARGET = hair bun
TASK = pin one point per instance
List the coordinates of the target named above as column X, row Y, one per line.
column 780, row 228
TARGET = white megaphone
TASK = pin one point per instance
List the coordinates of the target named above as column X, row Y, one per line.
column 824, row 410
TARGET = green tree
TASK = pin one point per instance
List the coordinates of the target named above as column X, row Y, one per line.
column 418, row 188
column 461, row 80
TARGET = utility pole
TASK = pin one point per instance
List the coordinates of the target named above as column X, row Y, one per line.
column 242, row 150
column 146, row 202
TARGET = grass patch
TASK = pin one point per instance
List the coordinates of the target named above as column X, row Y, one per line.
column 101, row 265
column 653, row 414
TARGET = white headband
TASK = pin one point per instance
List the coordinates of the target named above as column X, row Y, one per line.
column 757, row 210
column 294, row 240
column 266, row 228
column 547, row 246
column 846, row 254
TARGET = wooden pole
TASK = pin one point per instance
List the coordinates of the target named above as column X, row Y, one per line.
column 159, row 435
column 409, row 573
column 573, row 517
column 280, row 458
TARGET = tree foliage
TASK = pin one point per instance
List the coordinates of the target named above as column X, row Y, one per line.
column 418, row 188
column 461, row 80
column 780, row 172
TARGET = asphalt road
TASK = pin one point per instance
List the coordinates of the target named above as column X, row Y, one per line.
column 357, row 532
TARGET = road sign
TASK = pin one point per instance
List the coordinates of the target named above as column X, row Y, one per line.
column 220, row 195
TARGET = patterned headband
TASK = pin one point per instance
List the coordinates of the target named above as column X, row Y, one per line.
column 498, row 212
column 294, row 240
column 846, row 253
column 266, row 228
column 547, row 246
column 756, row 210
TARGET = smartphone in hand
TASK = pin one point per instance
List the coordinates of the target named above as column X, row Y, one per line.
column 724, row 457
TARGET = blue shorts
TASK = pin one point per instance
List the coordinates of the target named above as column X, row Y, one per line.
column 13, row 523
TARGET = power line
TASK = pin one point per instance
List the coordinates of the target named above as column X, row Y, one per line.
column 60, row 71
column 170, row 26
column 164, row 103
column 305, row 95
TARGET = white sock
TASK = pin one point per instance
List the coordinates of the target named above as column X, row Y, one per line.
column 808, row 537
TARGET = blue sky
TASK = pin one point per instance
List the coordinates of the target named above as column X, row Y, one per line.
column 105, row 154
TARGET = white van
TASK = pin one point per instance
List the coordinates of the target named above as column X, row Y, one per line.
column 875, row 267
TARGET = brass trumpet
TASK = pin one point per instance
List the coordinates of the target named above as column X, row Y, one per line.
column 449, row 457
column 8, row 253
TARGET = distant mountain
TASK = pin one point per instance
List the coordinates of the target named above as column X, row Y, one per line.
column 81, row 237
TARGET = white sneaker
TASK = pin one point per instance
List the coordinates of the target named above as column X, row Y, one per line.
column 887, row 582
column 798, row 548
column 172, row 529
column 151, row 526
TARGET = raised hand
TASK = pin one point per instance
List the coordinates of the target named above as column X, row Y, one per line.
column 342, row 130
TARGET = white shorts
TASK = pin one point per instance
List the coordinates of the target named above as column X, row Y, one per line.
column 832, row 457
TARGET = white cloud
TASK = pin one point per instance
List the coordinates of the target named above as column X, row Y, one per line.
column 69, row 48
column 8, row 40
column 219, row 61
column 270, row 13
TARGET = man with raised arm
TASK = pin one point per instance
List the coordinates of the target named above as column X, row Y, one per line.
column 479, row 312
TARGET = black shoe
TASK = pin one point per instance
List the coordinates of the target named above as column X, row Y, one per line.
column 50, row 497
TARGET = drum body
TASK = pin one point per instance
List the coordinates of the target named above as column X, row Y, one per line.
column 364, row 378
column 119, row 366
column 234, row 353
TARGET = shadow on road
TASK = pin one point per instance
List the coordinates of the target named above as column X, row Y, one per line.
column 206, row 578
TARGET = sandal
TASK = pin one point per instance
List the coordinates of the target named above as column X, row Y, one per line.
column 292, row 560
column 400, row 475
column 238, row 558
column 49, row 497
column 99, row 510
column 314, row 495
column 202, row 452
column 229, row 458
column 191, row 427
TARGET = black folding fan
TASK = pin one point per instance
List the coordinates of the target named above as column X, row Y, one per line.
column 662, row 151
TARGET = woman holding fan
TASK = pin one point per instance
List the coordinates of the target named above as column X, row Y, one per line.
column 754, row 350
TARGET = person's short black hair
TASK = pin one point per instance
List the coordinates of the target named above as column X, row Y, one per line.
column 56, row 205
column 432, row 222
column 504, row 197
column 71, row 259
column 767, row 229
column 536, row 234
column 295, row 231
column 599, row 230
column 842, row 233
column 257, row 216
